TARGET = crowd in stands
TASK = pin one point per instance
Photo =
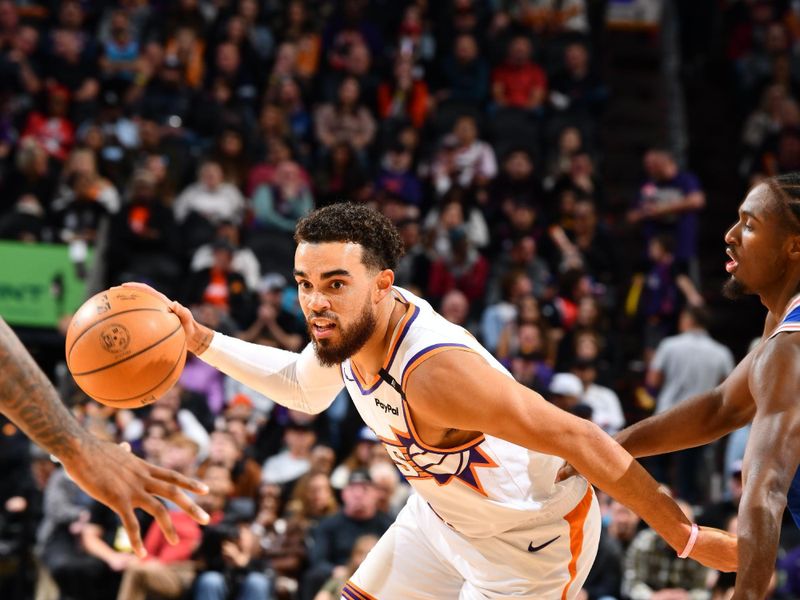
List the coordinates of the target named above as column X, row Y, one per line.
column 180, row 142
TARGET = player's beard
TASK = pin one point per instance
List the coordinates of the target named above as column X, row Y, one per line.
column 351, row 340
column 733, row 289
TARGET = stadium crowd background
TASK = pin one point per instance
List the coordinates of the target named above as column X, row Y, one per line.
column 178, row 143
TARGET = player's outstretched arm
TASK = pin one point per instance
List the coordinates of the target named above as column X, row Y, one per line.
column 488, row 401
column 773, row 454
column 106, row 471
column 695, row 421
column 297, row 381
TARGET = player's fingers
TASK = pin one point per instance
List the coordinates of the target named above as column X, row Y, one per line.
column 176, row 478
column 176, row 495
column 125, row 446
column 146, row 288
column 565, row 472
column 131, row 525
column 161, row 515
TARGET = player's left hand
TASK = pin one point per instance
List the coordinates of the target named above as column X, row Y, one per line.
column 114, row 476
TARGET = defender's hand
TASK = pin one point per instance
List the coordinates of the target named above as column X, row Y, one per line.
column 112, row 475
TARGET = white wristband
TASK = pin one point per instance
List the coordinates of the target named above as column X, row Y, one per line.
column 690, row 544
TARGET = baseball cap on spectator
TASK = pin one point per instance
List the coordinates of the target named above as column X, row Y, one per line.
column 566, row 384
column 272, row 282
column 240, row 400
column 359, row 476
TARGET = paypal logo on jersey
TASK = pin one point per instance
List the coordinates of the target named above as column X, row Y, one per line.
column 387, row 408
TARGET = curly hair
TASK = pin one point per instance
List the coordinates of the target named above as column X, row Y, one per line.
column 357, row 224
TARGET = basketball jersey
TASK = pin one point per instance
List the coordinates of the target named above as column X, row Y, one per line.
column 481, row 488
column 791, row 322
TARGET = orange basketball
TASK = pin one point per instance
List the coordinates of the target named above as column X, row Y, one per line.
column 125, row 348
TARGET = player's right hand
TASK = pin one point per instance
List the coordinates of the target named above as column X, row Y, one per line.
column 716, row 549
column 198, row 336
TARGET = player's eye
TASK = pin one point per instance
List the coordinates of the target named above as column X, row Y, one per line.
column 337, row 285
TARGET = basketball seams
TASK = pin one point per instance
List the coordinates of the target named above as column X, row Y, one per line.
column 106, row 318
column 133, row 355
column 181, row 357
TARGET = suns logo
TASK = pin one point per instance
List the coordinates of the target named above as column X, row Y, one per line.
column 436, row 463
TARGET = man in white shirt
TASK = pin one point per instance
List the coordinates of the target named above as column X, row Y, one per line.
column 683, row 366
column 604, row 402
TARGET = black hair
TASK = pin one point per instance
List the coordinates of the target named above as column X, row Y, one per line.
column 699, row 315
column 786, row 190
column 357, row 224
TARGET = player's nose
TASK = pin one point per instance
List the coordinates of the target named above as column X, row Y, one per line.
column 318, row 302
column 731, row 236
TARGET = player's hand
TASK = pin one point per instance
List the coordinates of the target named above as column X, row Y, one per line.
column 198, row 336
column 112, row 475
column 566, row 472
column 716, row 549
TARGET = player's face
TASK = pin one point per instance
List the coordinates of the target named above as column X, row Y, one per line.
column 755, row 246
column 335, row 292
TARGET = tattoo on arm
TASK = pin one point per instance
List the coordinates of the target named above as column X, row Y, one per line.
column 29, row 399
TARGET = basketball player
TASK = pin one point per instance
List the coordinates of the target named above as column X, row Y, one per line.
column 764, row 250
column 481, row 450
column 104, row 470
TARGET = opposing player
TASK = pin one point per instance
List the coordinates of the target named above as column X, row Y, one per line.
column 764, row 250
column 481, row 450
column 104, row 470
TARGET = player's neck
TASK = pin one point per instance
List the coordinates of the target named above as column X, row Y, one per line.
column 778, row 299
column 370, row 358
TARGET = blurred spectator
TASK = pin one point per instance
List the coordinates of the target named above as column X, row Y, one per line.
column 652, row 569
column 684, row 366
column 565, row 391
column 455, row 212
column 120, row 53
column 397, row 176
column 668, row 203
column 519, row 82
column 340, row 177
column 462, row 267
column 521, row 258
column 244, row 261
column 224, row 450
column 25, row 222
column 293, row 462
column 465, row 74
column 455, row 308
column 404, row 97
column 604, row 402
column 232, row 155
column 144, row 232
column 517, row 182
column 414, row 266
column 358, row 459
column 528, row 363
column 334, row 537
column 345, row 120
column 718, row 514
column 229, row 556
column 274, row 325
column 206, row 203
column 463, row 159
column 71, row 67
column 278, row 206
column 52, row 129
column 332, row 589
column 298, row 29
column 497, row 316
column 220, row 286
column 663, row 291
column 576, row 89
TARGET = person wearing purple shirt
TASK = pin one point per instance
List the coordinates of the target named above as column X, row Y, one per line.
column 199, row 377
column 668, row 203
column 397, row 177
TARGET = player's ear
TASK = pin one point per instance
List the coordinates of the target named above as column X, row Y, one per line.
column 794, row 247
column 384, row 283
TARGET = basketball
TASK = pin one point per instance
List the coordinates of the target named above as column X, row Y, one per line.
column 125, row 348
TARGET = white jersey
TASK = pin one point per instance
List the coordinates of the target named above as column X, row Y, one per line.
column 482, row 488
